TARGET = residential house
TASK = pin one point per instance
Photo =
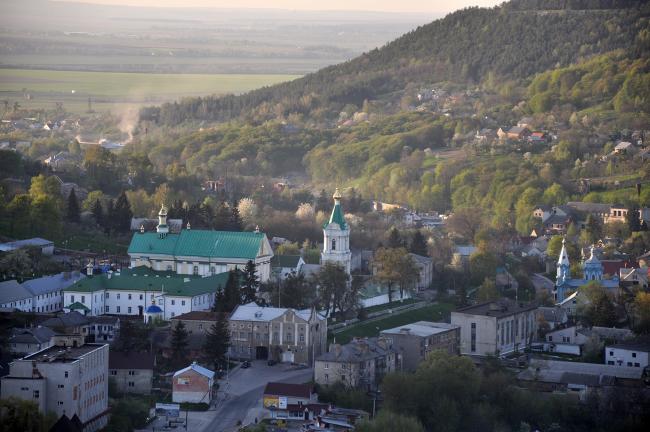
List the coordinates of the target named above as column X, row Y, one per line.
column 199, row 252
column 103, row 328
column 281, row 334
column 25, row 341
column 196, row 322
column 361, row 363
column 485, row 135
column 132, row 372
column 64, row 379
column 554, row 316
column 517, row 133
column 46, row 246
column 538, row 138
column 291, row 401
column 630, row 353
column 496, row 327
column 460, row 257
column 624, row 147
column 61, row 161
column 15, row 296
column 193, row 384
column 284, row 265
column 72, row 323
column 130, row 291
column 617, row 213
column 598, row 210
column 633, row 277
column 424, row 265
column 416, row 340
column 578, row 378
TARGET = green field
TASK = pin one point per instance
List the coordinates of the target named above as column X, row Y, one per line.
column 108, row 90
column 435, row 312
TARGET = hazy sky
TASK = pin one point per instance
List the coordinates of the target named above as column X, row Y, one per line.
column 428, row 6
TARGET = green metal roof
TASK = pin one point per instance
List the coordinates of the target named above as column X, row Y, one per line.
column 337, row 217
column 287, row 261
column 78, row 306
column 201, row 243
column 144, row 279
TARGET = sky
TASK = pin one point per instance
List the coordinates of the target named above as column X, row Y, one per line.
column 409, row 6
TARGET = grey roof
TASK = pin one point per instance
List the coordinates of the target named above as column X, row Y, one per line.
column 557, row 219
column 71, row 319
column 465, row 250
column 36, row 242
column 196, row 368
column 576, row 373
column 610, row 333
column 11, row 291
column 425, row 260
column 639, row 344
column 421, row 328
column 310, row 269
column 358, row 350
column 31, row 335
column 49, row 284
column 588, row 207
column 253, row 312
column 553, row 314
column 498, row 308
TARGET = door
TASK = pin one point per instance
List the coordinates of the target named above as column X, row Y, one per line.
column 261, row 353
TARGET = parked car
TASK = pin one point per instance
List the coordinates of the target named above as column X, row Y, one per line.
column 246, row 365
column 271, row 362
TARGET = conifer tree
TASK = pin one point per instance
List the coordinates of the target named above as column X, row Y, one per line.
column 251, row 283
column 98, row 212
column 394, row 238
column 122, row 213
column 73, row 214
column 179, row 345
column 418, row 244
column 235, row 223
column 217, row 342
column 232, row 291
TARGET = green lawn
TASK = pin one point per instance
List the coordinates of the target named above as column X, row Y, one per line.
column 393, row 305
column 111, row 89
column 435, row 312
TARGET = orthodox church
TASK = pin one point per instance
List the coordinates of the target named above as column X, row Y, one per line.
column 336, row 237
column 592, row 270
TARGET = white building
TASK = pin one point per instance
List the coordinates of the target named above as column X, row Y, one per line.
column 64, row 379
column 495, row 328
column 336, row 237
column 15, row 296
column 46, row 246
column 25, row 341
column 199, row 252
column 131, row 291
column 633, row 353
column 47, row 291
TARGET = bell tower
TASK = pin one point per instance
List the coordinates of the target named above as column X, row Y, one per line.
column 162, row 227
column 336, row 237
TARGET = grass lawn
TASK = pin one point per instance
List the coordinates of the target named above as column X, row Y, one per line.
column 392, row 305
column 436, row 312
column 97, row 242
column 113, row 89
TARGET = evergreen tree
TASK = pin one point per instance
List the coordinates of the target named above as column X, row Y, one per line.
column 98, row 212
column 251, row 283
column 73, row 214
column 179, row 345
column 235, row 223
column 323, row 201
column 633, row 219
column 108, row 221
column 217, row 342
column 418, row 244
column 222, row 217
column 394, row 238
column 219, row 301
column 122, row 213
column 232, row 291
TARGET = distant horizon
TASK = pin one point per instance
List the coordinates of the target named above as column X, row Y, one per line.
column 384, row 6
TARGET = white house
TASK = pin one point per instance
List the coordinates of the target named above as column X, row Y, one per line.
column 47, row 291
column 193, row 384
column 632, row 353
column 130, row 291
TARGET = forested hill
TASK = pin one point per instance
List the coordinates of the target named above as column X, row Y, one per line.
column 514, row 41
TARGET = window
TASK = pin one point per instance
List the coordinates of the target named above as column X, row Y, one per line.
column 113, row 372
column 129, row 309
column 611, row 353
column 141, row 297
column 106, row 296
column 118, row 296
column 302, row 338
column 473, row 337
column 59, row 403
column 195, row 270
column 106, row 309
column 131, row 372
column 169, row 267
column 131, row 384
column 333, row 244
column 173, row 302
column 550, row 338
column 213, row 270
column 118, row 309
column 629, row 363
column 634, row 355
column 61, row 386
column 637, row 365
column 129, row 296
column 182, row 302
column 71, row 299
column 66, row 374
column 36, row 394
column 327, row 365
column 83, row 299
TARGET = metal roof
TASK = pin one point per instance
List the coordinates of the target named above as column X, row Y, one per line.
column 285, row 261
column 196, row 368
column 11, row 291
column 420, row 328
column 199, row 243
column 49, row 284
column 337, row 217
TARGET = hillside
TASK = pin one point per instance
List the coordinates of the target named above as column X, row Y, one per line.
column 512, row 42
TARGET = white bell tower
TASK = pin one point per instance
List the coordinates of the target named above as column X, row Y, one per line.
column 162, row 227
column 336, row 237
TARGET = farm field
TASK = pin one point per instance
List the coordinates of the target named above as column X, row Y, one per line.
column 109, row 90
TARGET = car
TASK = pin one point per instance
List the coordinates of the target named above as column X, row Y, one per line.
column 246, row 365
column 271, row 362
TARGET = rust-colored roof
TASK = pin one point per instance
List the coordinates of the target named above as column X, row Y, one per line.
column 286, row 389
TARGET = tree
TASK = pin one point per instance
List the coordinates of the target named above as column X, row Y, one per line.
column 305, row 212
column 235, row 222
column 482, row 264
column 633, row 220
column 641, row 309
column 247, row 210
column 122, row 214
column 418, row 244
column 179, row 343
column 487, row 291
column 389, row 421
column 332, row 281
column 73, row 214
column 395, row 267
column 465, row 222
column 98, row 212
column 251, row 283
column 394, row 238
column 133, row 337
column 232, row 292
column 294, row 291
column 23, row 415
column 594, row 305
column 217, row 342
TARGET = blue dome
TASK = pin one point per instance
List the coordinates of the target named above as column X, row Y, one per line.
column 153, row 309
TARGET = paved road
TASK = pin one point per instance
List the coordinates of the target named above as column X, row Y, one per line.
column 241, row 400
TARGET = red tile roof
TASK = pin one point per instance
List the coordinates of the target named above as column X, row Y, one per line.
column 286, row 389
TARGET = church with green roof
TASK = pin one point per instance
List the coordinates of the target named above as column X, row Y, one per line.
column 199, row 252
column 336, row 237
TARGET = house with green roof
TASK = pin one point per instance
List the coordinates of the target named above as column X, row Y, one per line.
column 131, row 291
column 199, row 252
column 283, row 265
